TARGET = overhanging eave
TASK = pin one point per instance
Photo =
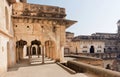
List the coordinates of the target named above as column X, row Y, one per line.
column 67, row 23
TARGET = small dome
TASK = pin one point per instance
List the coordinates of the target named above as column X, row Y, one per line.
column 118, row 21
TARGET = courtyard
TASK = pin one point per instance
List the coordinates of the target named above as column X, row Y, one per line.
column 37, row 69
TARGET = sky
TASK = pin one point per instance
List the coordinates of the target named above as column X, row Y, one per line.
column 92, row 15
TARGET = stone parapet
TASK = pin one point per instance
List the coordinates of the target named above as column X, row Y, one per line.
column 86, row 68
column 26, row 9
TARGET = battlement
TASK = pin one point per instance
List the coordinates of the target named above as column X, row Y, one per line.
column 36, row 10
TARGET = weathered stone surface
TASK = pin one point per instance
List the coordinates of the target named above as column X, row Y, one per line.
column 25, row 9
column 100, row 72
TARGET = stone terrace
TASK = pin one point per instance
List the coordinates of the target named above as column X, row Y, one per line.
column 49, row 69
column 46, row 70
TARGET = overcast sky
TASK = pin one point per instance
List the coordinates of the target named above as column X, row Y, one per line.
column 92, row 15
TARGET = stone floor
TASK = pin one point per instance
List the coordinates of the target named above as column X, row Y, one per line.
column 46, row 70
column 49, row 69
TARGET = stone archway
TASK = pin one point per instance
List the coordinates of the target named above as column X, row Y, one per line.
column 92, row 50
column 19, row 49
column 35, row 47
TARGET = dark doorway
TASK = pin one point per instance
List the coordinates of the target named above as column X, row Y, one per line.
column 34, row 51
column 92, row 50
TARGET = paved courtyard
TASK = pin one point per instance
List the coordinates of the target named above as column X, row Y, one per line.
column 46, row 70
column 36, row 69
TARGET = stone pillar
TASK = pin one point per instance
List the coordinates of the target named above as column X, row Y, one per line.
column 38, row 51
column 43, row 54
column 22, row 53
column 62, row 42
column 62, row 53
column 47, row 53
column 55, row 52
column 51, row 52
column 17, row 55
column 28, row 52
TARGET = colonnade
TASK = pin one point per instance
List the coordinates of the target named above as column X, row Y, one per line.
column 47, row 50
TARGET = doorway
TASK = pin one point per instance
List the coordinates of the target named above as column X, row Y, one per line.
column 92, row 50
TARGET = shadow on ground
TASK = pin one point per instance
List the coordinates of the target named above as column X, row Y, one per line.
column 27, row 63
